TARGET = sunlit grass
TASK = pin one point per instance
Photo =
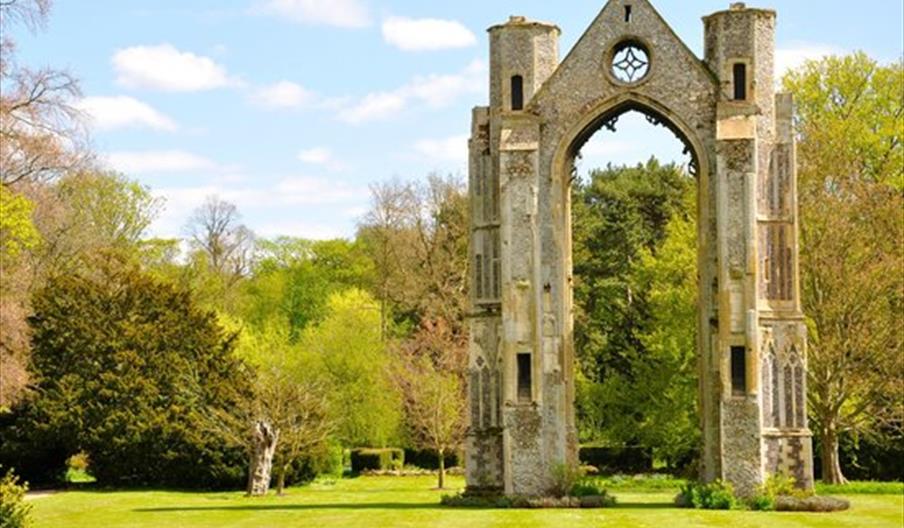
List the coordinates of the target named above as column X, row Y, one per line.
column 373, row 502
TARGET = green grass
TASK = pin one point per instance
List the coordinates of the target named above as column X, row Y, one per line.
column 373, row 502
column 861, row 488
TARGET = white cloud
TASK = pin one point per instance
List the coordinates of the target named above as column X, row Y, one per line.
column 374, row 107
column 321, row 156
column 156, row 161
column 794, row 56
column 165, row 68
column 434, row 90
column 284, row 94
column 454, row 148
column 107, row 113
column 338, row 13
column 426, row 34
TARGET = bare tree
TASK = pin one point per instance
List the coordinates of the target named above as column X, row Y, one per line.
column 215, row 228
column 417, row 237
column 42, row 134
column 430, row 372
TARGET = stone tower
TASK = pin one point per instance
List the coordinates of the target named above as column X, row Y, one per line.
column 751, row 337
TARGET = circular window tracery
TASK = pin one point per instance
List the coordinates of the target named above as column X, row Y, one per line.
column 630, row 62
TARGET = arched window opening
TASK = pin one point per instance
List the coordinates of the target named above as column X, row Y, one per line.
column 517, row 92
column 739, row 73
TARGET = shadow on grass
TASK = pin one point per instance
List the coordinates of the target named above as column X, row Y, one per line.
column 296, row 507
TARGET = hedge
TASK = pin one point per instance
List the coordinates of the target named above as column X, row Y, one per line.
column 429, row 459
column 612, row 460
column 377, row 459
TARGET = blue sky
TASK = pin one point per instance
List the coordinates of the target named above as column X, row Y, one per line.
column 291, row 108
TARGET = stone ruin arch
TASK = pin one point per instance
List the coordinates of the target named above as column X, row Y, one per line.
column 522, row 148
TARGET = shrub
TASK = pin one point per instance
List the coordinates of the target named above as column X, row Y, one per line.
column 428, row 459
column 565, row 476
column 384, row 459
column 717, row 495
column 14, row 511
column 777, row 485
column 610, row 460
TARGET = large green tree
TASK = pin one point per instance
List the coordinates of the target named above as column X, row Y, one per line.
column 347, row 351
column 635, row 292
column 850, row 125
column 124, row 366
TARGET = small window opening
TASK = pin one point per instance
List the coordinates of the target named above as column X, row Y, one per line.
column 627, row 13
column 738, row 370
column 517, row 92
column 524, row 378
column 740, row 81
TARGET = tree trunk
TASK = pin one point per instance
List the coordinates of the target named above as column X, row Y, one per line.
column 442, row 469
column 831, row 462
column 281, row 478
column 265, row 438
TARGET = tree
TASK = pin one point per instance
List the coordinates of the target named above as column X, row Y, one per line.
column 286, row 418
column 41, row 133
column 293, row 279
column 348, row 354
column 17, row 236
column 849, row 119
column 222, row 254
column 430, row 371
column 124, row 367
column 73, row 218
column 634, row 257
column 417, row 237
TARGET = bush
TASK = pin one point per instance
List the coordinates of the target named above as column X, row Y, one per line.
column 126, row 369
column 14, row 511
column 777, row 485
column 565, row 476
column 429, row 459
column 385, row 459
column 611, row 460
column 716, row 495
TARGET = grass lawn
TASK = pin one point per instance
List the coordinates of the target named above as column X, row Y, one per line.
column 409, row 501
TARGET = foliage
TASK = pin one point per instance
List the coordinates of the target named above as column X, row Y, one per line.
column 14, row 511
column 416, row 234
column 293, row 279
column 777, row 485
column 346, row 351
column 635, row 320
column 124, row 366
column 718, row 495
column 565, row 477
column 284, row 395
column 17, row 230
column 377, row 459
column 849, row 116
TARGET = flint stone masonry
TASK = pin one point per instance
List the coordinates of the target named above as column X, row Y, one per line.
column 521, row 163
